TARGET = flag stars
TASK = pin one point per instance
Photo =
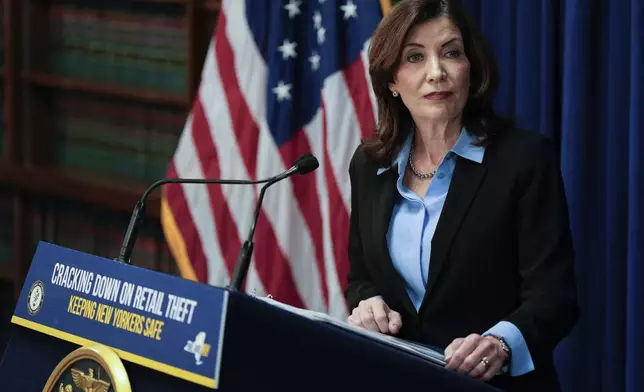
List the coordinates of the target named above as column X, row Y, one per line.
column 315, row 61
column 283, row 91
column 293, row 8
column 317, row 20
column 287, row 49
column 350, row 10
column 320, row 32
column 319, row 29
column 321, row 35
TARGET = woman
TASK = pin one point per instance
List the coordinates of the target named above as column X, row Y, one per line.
column 459, row 224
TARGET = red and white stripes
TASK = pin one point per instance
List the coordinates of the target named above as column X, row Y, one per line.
column 300, row 254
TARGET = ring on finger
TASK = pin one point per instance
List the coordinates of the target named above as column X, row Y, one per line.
column 485, row 362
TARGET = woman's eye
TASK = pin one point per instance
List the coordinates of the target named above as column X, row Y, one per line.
column 414, row 57
column 452, row 54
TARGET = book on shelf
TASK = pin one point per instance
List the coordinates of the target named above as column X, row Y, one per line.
column 92, row 230
column 133, row 45
column 112, row 138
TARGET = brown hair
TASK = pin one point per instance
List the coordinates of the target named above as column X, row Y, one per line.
column 394, row 119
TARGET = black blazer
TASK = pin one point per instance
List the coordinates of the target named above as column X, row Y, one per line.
column 502, row 250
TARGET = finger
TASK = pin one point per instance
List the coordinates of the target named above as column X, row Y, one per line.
column 463, row 351
column 380, row 310
column 355, row 321
column 485, row 352
column 479, row 369
column 493, row 370
column 449, row 351
column 354, row 317
column 395, row 321
column 472, row 363
column 366, row 317
column 497, row 359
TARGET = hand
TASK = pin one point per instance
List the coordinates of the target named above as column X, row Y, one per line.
column 465, row 356
column 374, row 314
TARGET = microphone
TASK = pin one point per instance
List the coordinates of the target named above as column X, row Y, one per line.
column 303, row 165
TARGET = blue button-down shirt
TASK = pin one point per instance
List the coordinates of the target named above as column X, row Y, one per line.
column 412, row 227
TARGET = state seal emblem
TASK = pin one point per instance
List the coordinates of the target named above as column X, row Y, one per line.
column 35, row 297
column 94, row 368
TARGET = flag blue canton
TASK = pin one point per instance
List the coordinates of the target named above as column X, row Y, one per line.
column 302, row 43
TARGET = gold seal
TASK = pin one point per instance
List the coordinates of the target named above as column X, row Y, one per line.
column 95, row 368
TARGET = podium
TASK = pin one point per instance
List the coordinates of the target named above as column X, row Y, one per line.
column 84, row 322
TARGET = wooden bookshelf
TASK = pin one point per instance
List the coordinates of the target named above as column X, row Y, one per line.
column 29, row 169
column 111, row 193
column 73, row 84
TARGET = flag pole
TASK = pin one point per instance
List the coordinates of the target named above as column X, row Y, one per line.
column 385, row 5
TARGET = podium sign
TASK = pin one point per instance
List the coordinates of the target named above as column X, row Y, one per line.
column 159, row 321
column 141, row 330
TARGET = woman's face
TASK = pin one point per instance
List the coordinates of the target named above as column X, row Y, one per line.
column 434, row 73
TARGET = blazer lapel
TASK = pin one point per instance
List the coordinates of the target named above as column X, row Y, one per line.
column 383, row 207
column 466, row 181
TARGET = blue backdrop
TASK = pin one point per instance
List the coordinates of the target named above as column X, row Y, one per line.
column 574, row 70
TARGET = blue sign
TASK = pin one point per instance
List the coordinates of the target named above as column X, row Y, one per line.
column 166, row 323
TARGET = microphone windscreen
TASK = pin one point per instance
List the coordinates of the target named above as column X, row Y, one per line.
column 306, row 164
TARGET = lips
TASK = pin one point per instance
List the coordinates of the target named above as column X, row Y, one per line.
column 438, row 95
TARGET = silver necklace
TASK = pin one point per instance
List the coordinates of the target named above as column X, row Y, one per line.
column 416, row 171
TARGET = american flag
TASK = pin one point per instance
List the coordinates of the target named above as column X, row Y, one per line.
column 281, row 78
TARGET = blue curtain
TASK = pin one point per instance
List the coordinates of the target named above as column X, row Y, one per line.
column 574, row 70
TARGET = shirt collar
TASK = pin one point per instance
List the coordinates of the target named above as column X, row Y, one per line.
column 464, row 147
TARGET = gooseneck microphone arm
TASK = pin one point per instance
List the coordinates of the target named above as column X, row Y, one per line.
column 246, row 251
column 305, row 164
column 139, row 209
column 260, row 199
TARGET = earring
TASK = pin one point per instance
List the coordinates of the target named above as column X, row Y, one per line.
column 394, row 93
